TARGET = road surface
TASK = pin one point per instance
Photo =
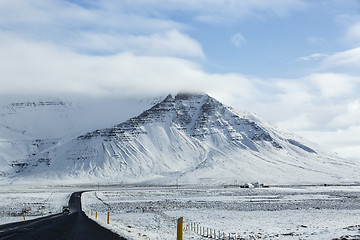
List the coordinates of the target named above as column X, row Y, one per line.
column 70, row 226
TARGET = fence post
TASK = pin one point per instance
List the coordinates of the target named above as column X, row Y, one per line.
column 179, row 229
column 108, row 218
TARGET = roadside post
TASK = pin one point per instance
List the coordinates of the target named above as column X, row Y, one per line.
column 180, row 228
column 108, row 218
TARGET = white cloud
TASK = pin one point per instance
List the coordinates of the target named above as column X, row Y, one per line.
column 350, row 115
column 64, row 23
column 323, row 107
column 238, row 40
column 320, row 97
column 297, row 122
column 315, row 56
column 333, row 84
column 108, row 22
column 346, row 61
column 225, row 11
column 169, row 43
column 211, row 11
column 294, row 91
column 44, row 15
column 29, row 67
column 351, row 152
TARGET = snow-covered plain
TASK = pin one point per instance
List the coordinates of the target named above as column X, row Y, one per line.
column 151, row 212
column 271, row 213
column 33, row 200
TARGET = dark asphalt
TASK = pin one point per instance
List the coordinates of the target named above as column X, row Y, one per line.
column 73, row 226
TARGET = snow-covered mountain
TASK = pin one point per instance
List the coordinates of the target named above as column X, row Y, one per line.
column 189, row 138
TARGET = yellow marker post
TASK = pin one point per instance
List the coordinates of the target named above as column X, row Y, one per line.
column 179, row 228
column 96, row 215
column 108, row 218
column 24, row 216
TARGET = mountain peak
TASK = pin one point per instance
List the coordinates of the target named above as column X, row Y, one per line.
column 189, row 96
column 198, row 115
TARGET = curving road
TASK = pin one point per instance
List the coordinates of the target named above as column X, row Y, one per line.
column 75, row 225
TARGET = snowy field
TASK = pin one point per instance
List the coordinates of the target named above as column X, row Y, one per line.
column 32, row 201
column 151, row 212
column 267, row 213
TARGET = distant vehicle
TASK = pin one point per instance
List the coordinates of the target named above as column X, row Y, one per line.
column 65, row 209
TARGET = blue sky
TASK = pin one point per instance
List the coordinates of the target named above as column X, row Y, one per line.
column 294, row 62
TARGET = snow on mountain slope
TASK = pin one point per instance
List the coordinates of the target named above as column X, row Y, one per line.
column 65, row 119
column 190, row 138
column 30, row 127
column 34, row 119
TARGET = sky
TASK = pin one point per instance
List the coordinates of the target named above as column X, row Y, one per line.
column 295, row 63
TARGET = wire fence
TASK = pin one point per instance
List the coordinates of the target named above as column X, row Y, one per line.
column 211, row 232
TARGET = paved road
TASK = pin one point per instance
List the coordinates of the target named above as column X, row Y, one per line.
column 73, row 226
